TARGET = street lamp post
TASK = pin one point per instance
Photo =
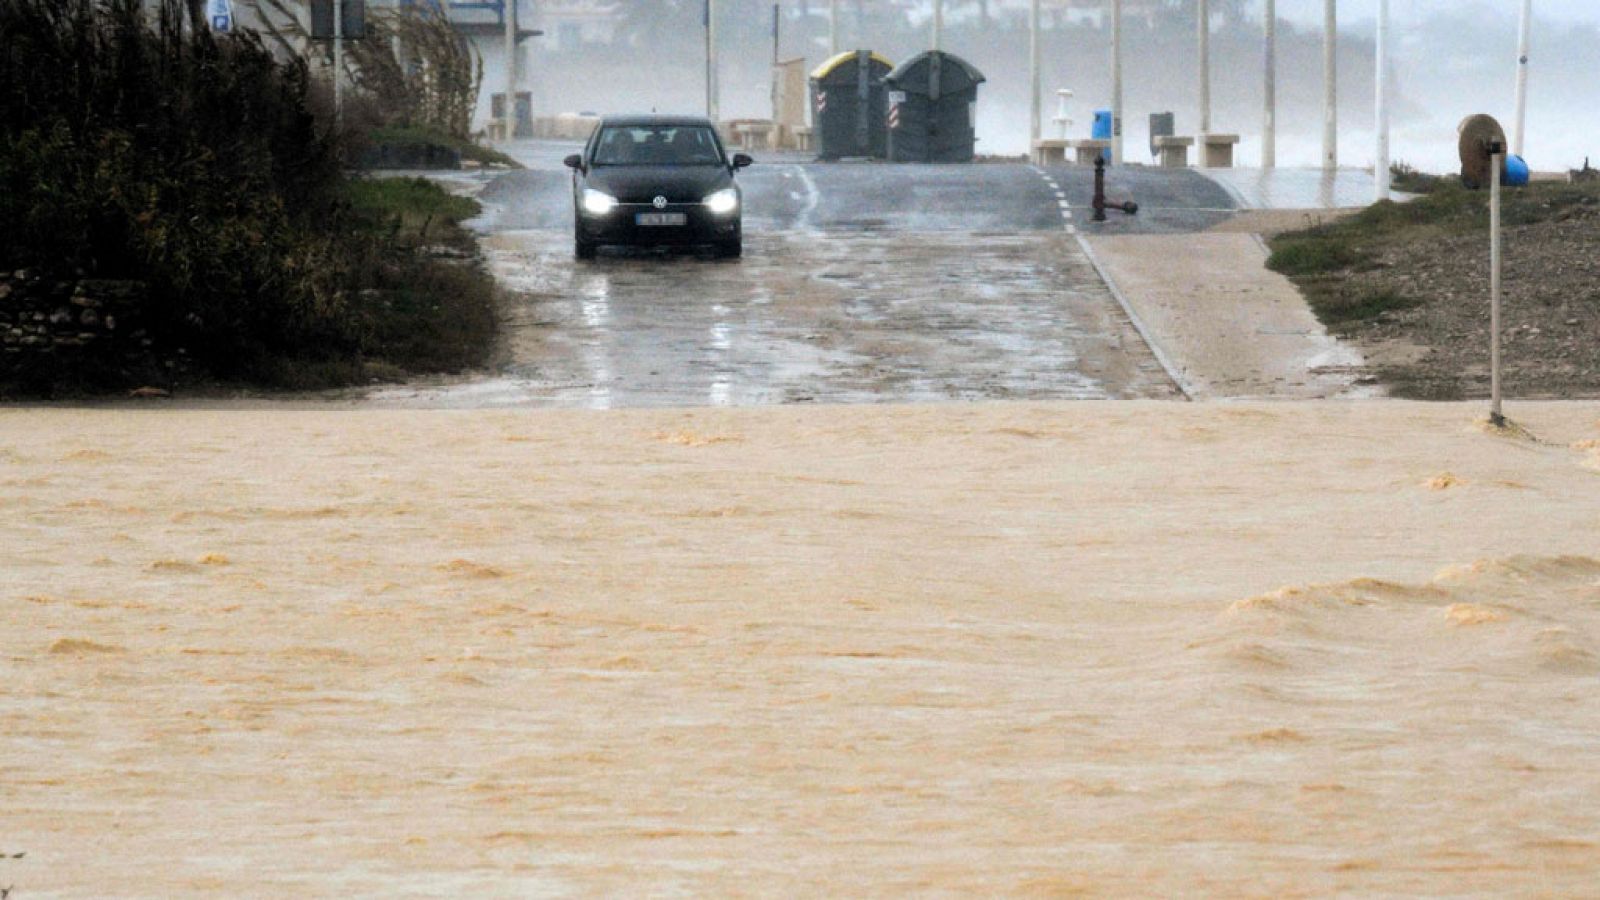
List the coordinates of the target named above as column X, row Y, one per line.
column 1269, row 123
column 1203, row 33
column 833, row 28
column 938, row 24
column 1330, row 85
column 1380, row 165
column 711, row 60
column 1116, row 82
column 509, row 14
column 1036, row 105
column 338, row 64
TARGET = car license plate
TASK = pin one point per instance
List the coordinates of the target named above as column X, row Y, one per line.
column 660, row 220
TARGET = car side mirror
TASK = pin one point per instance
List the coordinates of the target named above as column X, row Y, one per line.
column 741, row 160
column 575, row 161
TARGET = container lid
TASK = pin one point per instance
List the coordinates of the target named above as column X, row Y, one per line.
column 955, row 73
column 827, row 68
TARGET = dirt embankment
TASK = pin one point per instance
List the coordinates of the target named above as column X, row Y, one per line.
column 1410, row 284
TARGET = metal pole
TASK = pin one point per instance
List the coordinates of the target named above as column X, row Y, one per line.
column 338, row 65
column 508, row 12
column 1523, row 41
column 777, row 25
column 1116, row 82
column 1330, row 85
column 1380, row 165
column 1496, row 161
column 1203, row 30
column 1035, row 123
column 938, row 24
column 711, row 60
column 833, row 28
column 1269, row 123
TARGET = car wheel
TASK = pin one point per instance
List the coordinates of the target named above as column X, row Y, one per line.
column 583, row 249
column 731, row 249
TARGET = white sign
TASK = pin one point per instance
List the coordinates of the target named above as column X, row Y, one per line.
column 896, row 97
column 220, row 13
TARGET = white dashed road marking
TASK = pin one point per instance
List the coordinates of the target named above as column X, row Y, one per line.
column 1061, row 199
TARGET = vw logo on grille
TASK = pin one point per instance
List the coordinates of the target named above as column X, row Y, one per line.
column 660, row 203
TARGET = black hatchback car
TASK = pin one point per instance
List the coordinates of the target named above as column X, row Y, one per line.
column 650, row 180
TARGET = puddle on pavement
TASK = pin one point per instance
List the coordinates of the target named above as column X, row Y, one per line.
column 804, row 317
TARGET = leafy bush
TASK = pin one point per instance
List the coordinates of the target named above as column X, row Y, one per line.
column 1310, row 257
column 157, row 152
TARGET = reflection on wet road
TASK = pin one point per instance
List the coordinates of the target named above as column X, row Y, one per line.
column 866, row 283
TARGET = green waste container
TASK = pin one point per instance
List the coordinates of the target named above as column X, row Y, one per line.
column 933, row 109
column 848, row 102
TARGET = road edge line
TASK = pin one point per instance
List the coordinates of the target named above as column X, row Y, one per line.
column 1184, row 388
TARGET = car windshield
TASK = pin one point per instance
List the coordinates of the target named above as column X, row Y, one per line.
column 657, row 145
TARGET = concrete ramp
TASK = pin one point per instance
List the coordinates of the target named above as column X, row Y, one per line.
column 1297, row 188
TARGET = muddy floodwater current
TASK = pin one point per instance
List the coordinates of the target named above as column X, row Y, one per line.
column 1121, row 648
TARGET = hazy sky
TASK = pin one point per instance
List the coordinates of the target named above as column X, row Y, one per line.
column 1310, row 11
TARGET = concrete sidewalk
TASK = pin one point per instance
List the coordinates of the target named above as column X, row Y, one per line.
column 1228, row 327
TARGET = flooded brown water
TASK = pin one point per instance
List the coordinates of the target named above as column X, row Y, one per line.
column 1113, row 648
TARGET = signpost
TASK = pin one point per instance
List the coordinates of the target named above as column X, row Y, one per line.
column 220, row 14
column 1483, row 159
column 1497, row 159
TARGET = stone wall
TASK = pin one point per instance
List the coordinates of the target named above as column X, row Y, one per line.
column 84, row 331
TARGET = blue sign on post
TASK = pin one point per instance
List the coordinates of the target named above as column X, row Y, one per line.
column 221, row 14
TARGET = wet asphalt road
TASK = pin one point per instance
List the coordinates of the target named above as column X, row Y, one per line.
column 875, row 197
column 860, row 283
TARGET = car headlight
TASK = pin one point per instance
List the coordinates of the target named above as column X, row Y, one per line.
column 598, row 203
column 723, row 202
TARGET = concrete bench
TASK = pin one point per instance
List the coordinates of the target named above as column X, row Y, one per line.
column 1216, row 150
column 1088, row 149
column 1174, row 151
column 1050, row 152
column 751, row 134
column 802, row 139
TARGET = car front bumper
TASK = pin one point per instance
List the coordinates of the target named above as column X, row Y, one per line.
column 620, row 226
